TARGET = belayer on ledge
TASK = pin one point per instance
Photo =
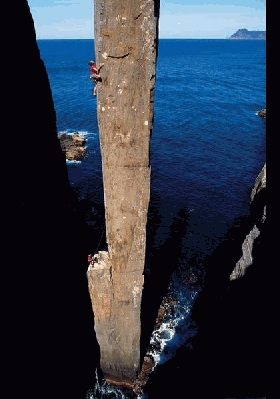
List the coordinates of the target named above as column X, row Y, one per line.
column 94, row 74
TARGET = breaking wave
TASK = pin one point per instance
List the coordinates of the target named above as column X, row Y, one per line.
column 72, row 162
column 175, row 329
column 82, row 133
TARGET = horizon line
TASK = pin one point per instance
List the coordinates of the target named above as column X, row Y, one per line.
column 169, row 38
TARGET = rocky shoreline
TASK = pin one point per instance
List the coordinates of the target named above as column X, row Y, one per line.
column 72, row 145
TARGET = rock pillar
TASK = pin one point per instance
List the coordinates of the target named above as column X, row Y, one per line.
column 126, row 35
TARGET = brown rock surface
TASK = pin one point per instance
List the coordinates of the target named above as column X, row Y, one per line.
column 72, row 145
column 262, row 112
column 147, row 369
column 126, row 41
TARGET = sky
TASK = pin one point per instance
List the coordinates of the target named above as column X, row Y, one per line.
column 216, row 19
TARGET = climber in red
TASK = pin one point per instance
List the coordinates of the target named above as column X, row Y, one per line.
column 94, row 74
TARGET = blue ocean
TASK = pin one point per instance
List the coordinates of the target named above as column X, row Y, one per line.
column 207, row 148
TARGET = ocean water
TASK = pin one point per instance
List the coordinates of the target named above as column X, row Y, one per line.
column 207, row 148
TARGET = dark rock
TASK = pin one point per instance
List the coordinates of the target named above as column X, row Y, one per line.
column 147, row 368
column 166, row 307
column 245, row 34
column 262, row 112
column 235, row 319
column 246, row 259
column 231, row 310
column 160, row 316
column 72, row 146
column 49, row 349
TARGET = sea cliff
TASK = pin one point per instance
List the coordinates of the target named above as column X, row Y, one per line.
column 49, row 346
column 231, row 314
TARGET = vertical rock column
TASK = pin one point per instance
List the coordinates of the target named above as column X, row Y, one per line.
column 126, row 37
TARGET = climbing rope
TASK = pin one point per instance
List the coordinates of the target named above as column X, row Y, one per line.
column 98, row 246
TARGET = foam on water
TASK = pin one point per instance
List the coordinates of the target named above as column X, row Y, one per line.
column 82, row 133
column 103, row 390
column 175, row 329
column 72, row 162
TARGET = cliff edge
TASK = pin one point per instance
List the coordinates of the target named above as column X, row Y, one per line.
column 49, row 347
column 246, row 259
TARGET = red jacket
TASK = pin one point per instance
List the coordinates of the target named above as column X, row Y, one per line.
column 93, row 69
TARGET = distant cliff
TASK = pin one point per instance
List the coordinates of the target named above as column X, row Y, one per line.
column 243, row 34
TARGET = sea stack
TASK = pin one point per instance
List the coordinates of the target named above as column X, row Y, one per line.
column 126, row 41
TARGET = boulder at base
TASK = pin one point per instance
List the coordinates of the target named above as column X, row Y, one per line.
column 262, row 112
column 72, row 146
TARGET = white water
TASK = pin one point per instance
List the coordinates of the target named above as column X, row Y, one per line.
column 176, row 328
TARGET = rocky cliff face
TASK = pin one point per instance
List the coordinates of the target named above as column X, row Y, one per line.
column 232, row 312
column 234, row 315
column 246, row 259
column 126, row 41
column 47, row 321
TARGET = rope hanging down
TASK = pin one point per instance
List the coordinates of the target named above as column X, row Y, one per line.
column 97, row 248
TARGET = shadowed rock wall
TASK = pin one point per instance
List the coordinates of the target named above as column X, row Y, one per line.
column 257, row 196
column 229, row 357
column 48, row 344
column 126, row 41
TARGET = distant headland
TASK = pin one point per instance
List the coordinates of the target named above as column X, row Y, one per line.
column 242, row 34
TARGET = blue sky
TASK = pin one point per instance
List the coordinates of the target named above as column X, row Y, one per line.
column 62, row 19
